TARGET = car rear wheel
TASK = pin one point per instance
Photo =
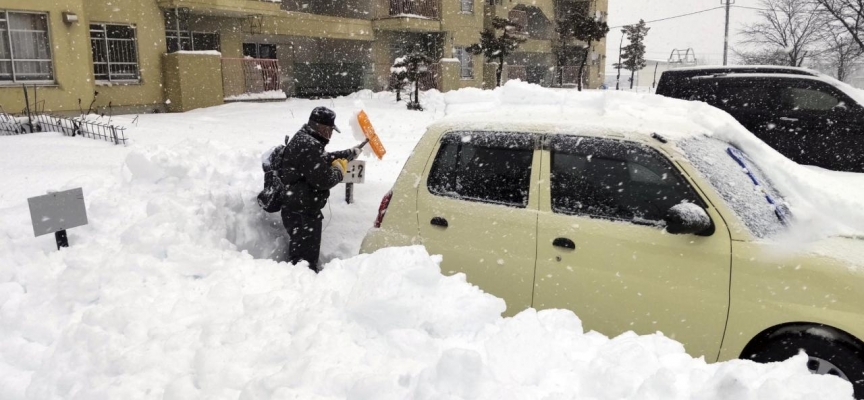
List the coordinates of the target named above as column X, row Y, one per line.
column 828, row 355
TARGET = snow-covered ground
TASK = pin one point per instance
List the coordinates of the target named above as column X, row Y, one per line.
column 172, row 291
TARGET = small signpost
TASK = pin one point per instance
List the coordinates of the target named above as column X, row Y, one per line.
column 356, row 173
column 56, row 212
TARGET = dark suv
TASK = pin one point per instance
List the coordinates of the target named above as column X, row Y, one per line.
column 808, row 117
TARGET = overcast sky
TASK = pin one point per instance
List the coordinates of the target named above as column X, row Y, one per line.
column 702, row 32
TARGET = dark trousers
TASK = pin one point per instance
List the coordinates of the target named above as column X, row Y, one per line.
column 304, row 237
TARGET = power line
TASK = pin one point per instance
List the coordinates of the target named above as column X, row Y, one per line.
column 693, row 13
column 752, row 8
column 674, row 17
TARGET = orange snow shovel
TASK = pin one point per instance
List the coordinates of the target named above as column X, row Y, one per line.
column 371, row 137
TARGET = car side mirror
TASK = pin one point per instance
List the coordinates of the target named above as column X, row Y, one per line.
column 688, row 219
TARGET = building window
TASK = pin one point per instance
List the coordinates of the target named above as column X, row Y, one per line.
column 115, row 52
column 177, row 33
column 467, row 6
column 205, row 41
column 25, row 49
column 466, row 59
column 180, row 38
column 259, row 50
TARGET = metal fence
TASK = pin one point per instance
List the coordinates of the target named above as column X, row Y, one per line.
column 79, row 126
column 10, row 125
column 250, row 75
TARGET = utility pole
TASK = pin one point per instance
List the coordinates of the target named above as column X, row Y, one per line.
column 618, row 80
column 726, row 38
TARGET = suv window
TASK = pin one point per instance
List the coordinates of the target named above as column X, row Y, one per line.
column 767, row 95
column 745, row 188
column 614, row 179
column 489, row 167
column 807, row 99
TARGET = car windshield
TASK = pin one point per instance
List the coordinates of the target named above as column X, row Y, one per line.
column 741, row 183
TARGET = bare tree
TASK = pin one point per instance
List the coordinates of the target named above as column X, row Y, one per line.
column 762, row 57
column 850, row 15
column 843, row 53
column 792, row 26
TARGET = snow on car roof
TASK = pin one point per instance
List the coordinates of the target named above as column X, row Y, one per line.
column 748, row 67
column 638, row 116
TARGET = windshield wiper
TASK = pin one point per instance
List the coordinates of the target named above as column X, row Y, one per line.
column 779, row 210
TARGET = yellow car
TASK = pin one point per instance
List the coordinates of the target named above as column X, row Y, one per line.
column 633, row 232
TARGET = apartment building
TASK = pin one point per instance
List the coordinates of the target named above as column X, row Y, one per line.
column 176, row 55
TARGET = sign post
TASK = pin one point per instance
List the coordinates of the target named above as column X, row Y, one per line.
column 56, row 212
column 356, row 173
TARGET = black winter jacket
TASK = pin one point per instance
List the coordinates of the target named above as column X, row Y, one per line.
column 307, row 173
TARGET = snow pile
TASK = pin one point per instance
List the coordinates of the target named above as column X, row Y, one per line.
column 823, row 203
column 153, row 301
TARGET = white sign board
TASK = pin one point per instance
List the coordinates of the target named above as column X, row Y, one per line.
column 356, row 172
column 57, row 211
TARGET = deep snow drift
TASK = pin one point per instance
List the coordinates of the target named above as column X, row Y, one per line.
column 169, row 293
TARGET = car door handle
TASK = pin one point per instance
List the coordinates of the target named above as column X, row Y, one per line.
column 565, row 243
column 438, row 221
column 789, row 119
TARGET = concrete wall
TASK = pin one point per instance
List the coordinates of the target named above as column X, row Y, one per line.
column 192, row 81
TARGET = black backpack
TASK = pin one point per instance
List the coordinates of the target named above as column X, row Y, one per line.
column 270, row 198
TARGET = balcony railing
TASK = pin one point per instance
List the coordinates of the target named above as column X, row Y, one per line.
column 418, row 8
column 249, row 75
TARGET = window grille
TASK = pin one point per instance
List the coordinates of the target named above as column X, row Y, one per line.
column 467, row 5
column 466, row 61
column 25, row 47
column 179, row 37
column 115, row 52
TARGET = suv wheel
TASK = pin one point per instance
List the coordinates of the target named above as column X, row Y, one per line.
column 827, row 356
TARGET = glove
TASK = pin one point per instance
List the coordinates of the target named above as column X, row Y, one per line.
column 353, row 153
column 342, row 164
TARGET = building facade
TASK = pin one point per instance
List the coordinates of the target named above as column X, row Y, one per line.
column 176, row 55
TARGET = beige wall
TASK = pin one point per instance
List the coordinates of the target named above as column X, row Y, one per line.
column 147, row 18
column 73, row 80
column 192, row 81
column 73, row 66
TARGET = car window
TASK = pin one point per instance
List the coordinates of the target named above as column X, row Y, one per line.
column 743, row 186
column 807, row 99
column 486, row 167
column 737, row 97
column 614, row 179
